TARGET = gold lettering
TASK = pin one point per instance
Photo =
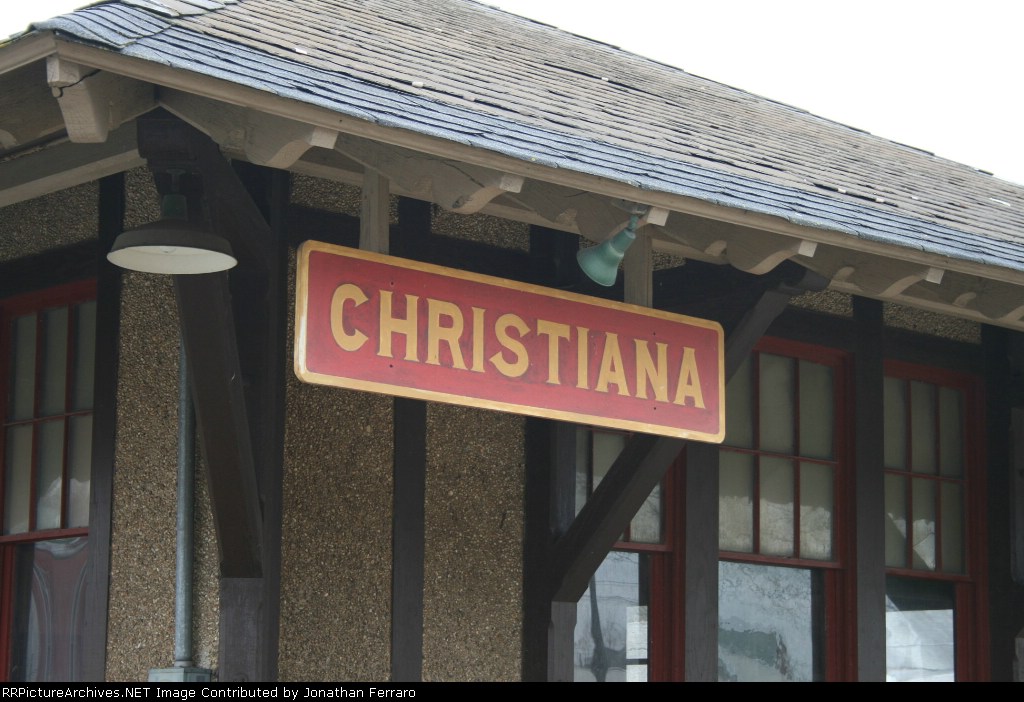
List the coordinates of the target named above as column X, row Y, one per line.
column 689, row 381
column 522, row 362
column 478, row 340
column 582, row 358
column 647, row 371
column 390, row 325
column 611, row 366
column 348, row 341
column 554, row 331
column 437, row 333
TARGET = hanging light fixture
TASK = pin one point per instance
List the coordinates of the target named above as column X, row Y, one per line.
column 601, row 263
column 172, row 245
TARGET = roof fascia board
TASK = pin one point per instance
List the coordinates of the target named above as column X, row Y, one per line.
column 26, row 50
column 232, row 93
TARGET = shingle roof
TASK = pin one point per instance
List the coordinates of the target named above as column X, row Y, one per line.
column 476, row 75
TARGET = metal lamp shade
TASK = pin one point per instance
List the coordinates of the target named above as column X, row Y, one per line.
column 172, row 247
column 601, row 263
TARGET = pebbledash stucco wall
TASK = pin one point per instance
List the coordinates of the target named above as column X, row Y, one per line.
column 140, row 632
column 336, row 542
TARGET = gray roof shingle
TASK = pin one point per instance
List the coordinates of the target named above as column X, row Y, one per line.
column 476, row 75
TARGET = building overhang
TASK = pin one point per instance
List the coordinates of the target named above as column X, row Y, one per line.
column 68, row 119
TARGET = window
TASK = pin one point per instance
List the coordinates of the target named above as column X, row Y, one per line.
column 47, row 344
column 780, row 471
column 622, row 620
column 932, row 477
column 786, row 583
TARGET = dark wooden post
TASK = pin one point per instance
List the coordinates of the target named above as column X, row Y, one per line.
column 108, row 324
column 547, row 653
column 409, row 472
column 869, row 489
column 700, row 589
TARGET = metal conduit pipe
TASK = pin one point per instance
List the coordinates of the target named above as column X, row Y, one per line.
column 185, row 515
column 183, row 670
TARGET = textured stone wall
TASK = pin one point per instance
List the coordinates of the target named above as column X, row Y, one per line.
column 472, row 617
column 336, row 551
column 141, row 622
column 336, row 532
column 49, row 222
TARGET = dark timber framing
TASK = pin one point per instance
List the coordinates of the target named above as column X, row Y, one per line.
column 409, row 471
column 233, row 328
column 108, row 324
column 869, row 485
column 566, row 566
column 1004, row 478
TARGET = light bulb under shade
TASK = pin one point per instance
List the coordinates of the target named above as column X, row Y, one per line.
column 171, row 247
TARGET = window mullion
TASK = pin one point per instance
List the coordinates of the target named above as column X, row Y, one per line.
column 33, row 489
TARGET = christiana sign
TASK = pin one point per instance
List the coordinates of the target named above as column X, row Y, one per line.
column 372, row 322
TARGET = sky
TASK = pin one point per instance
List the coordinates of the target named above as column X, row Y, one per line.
column 941, row 76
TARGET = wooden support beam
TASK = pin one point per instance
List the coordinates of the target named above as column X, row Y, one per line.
column 28, row 107
column 408, row 539
column 869, row 485
column 235, row 346
column 276, row 142
column 94, row 102
column 637, row 268
column 454, row 186
column 413, row 237
column 263, row 139
column 240, row 631
column 65, row 165
column 700, row 534
column 887, row 279
column 549, row 494
column 375, row 213
column 208, row 330
column 96, row 603
column 758, row 254
column 644, row 460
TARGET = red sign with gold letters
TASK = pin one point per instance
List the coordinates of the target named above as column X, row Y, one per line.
column 372, row 322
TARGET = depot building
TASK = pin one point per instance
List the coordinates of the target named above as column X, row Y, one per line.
column 391, row 341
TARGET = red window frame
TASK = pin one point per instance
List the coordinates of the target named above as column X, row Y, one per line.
column 970, row 624
column 839, row 578
column 11, row 308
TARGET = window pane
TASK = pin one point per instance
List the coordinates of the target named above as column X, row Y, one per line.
column 777, row 408
column 582, row 468
column 611, row 636
column 923, row 535
column 49, row 475
column 769, row 623
column 919, row 641
column 79, row 464
column 895, row 424
column 895, row 521
column 17, row 484
column 815, row 410
column 47, row 642
column 952, row 528
column 607, row 447
column 739, row 398
column 645, row 527
column 23, row 368
column 922, row 428
column 951, row 433
column 55, row 361
column 816, row 497
column 736, row 502
column 776, row 507
column 85, row 355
